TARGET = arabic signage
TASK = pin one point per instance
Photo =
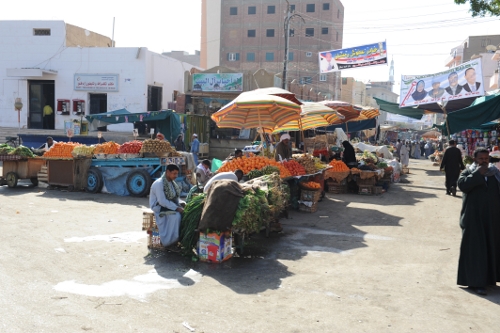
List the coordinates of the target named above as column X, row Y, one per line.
column 96, row 82
column 456, row 83
column 227, row 82
column 354, row 57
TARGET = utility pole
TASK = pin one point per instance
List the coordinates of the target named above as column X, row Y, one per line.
column 288, row 18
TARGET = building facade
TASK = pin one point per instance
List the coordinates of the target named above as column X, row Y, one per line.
column 353, row 91
column 37, row 66
column 193, row 59
column 249, row 35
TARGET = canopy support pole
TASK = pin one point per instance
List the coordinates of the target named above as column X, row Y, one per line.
column 302, row 133
column 443, row 107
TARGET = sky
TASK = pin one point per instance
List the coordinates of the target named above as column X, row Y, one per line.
column 419, row 34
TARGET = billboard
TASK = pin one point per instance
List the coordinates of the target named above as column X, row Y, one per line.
column 456, row 83
column 226, row 82
column 354, row 57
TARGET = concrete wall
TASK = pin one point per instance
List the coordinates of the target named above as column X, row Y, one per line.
column 210, row 33
column 76, row 36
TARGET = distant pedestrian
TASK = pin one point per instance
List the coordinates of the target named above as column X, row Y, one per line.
column 404, row 155
column 195, row 148
column 422, row 148
column 179, row 144
column 398, row 148
column 479, row 262
column 452, row 165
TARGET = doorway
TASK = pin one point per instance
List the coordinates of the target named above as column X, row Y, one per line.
column 41, row 94
column 99, row 104
column 155, row 95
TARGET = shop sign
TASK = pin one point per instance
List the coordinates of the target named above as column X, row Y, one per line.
column 173, row 160
column 353, row 57
column 223, row 82
column 96, row 82
column 456, row 83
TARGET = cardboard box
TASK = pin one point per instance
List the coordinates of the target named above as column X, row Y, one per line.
column 214, row 247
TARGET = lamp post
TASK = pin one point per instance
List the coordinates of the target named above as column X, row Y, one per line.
column 18, row 105
column 288, row 18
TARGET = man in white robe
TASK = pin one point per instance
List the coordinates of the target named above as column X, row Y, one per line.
column 164, row 200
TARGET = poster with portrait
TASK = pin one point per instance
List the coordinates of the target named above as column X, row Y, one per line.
column 353, row 57
column 460, row 82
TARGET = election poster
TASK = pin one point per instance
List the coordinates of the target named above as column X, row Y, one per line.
column 460, row 82
column 353, row 57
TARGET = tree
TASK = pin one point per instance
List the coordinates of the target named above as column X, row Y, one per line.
column 482, row 7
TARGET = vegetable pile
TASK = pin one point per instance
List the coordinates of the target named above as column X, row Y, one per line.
column 5, row 149
column 338, row 166
column 247, row 164
column 295, row 168
column 323, row 152
column 22, row 151
column 131, row 147
column 190, row 220
column 109, row 147
column 82, row 150
column 307, row 162
column 61, row 150
column 158, row 147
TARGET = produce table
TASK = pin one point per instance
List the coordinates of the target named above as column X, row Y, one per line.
column 15, row 169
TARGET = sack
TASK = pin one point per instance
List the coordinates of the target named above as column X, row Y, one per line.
column 426, row 146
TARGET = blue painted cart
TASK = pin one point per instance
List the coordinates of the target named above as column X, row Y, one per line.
column 140, row 177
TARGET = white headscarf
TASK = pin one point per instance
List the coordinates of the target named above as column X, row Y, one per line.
column 284, row 137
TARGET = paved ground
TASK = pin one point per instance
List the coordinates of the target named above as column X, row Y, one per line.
column 74, row 262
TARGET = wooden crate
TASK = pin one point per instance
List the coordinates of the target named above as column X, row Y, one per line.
column 148, row 220
column 405, row 171
column 366, row 182
column 337, row 189
column 313, row 196
column 312, row 209
column 365, row 189
column 377, row 190
column 154, row 241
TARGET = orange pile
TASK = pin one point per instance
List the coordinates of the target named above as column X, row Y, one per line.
column 247, row 164
column 311, row 184
column 109, row 147
column 339, row 166
column 61, row 150
column 295, row 168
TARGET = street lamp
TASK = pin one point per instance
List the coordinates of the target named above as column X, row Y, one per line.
column 18, row 105
column 288, row 18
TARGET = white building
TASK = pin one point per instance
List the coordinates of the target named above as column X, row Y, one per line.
column 40, row 64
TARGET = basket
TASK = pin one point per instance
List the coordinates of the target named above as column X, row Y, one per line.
column 154, row 241
column 333, row 183
column 313, row 196
column 148, row 220
column 337, row 176
column 366, row 182
column 365, row 189
column 367, row 174
column 312, row 209
column 12, row 158
column 337, row 188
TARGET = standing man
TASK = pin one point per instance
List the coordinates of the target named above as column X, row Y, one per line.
column 479, row 262
column 195, row 148
column 398, row 148
column 452, row 165
column 47, row 117
column 283, row 149
column 164, row 200
column 470, row 77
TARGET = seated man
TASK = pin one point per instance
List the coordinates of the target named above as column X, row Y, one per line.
column 236, row 176
column 164, row 200
column 46, row 146
column 203, row 173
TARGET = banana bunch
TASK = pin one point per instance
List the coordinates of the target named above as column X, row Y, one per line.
column 318, row 164
column 83, row 150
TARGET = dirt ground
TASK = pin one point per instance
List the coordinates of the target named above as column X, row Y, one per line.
column 74, row 262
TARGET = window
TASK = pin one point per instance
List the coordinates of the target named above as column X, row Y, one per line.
column 271, row 9
column 252, row 10
column 250, row 56
column 290, row 56
column 233, row 10
column 270, row 33
column 269, row 56
column 337, row 36
column 292, row 8
column 309, row 54
column 324, row 31
column 291, row 32
column 310, row 8
column 344, row 81
column 233, row 56
column 338, row 13
column 326, row 6
column 41, row 32
column 251, row 33
column 306, row 80
column 309, row 32
column 322, row 77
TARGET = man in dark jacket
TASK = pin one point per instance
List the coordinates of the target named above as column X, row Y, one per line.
column 452, row 164
column 479, row 262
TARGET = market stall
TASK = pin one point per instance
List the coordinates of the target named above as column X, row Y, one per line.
column 18, row 163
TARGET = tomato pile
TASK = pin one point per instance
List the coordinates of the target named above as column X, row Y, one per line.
column 247, row 164
column 339, row 166
column 295, row 168
column 61, row 150
column 322, row 152
column 131, row 147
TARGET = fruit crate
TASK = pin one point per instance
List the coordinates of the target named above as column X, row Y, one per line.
column 366, row 182
column 337, row 189
column 365, row 189
column 312, row 209
column 313, row 196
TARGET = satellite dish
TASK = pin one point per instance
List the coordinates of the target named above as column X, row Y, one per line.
column 491, row 48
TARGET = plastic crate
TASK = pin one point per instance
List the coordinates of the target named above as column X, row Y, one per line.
column 313, row 196
column 312, row 209
column 365, row 189
column 154, row 241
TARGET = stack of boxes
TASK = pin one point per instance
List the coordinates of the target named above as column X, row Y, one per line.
column 309, row 201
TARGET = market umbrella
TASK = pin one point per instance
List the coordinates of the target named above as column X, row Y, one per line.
column 431, row 134
column 313, row 115
column 256, row 110
column 276, row 92
column 348, row 110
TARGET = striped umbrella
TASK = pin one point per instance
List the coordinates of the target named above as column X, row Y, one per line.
column 313, row 115
column 256, row 110
column 351, row 112
column 276, row 92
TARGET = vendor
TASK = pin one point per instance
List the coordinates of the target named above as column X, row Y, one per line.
column 349, row 156
column 238, row 153
column 283, row 149
column 236, row 176
column 164, row 200
column 203, row 173
column 48, row 144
